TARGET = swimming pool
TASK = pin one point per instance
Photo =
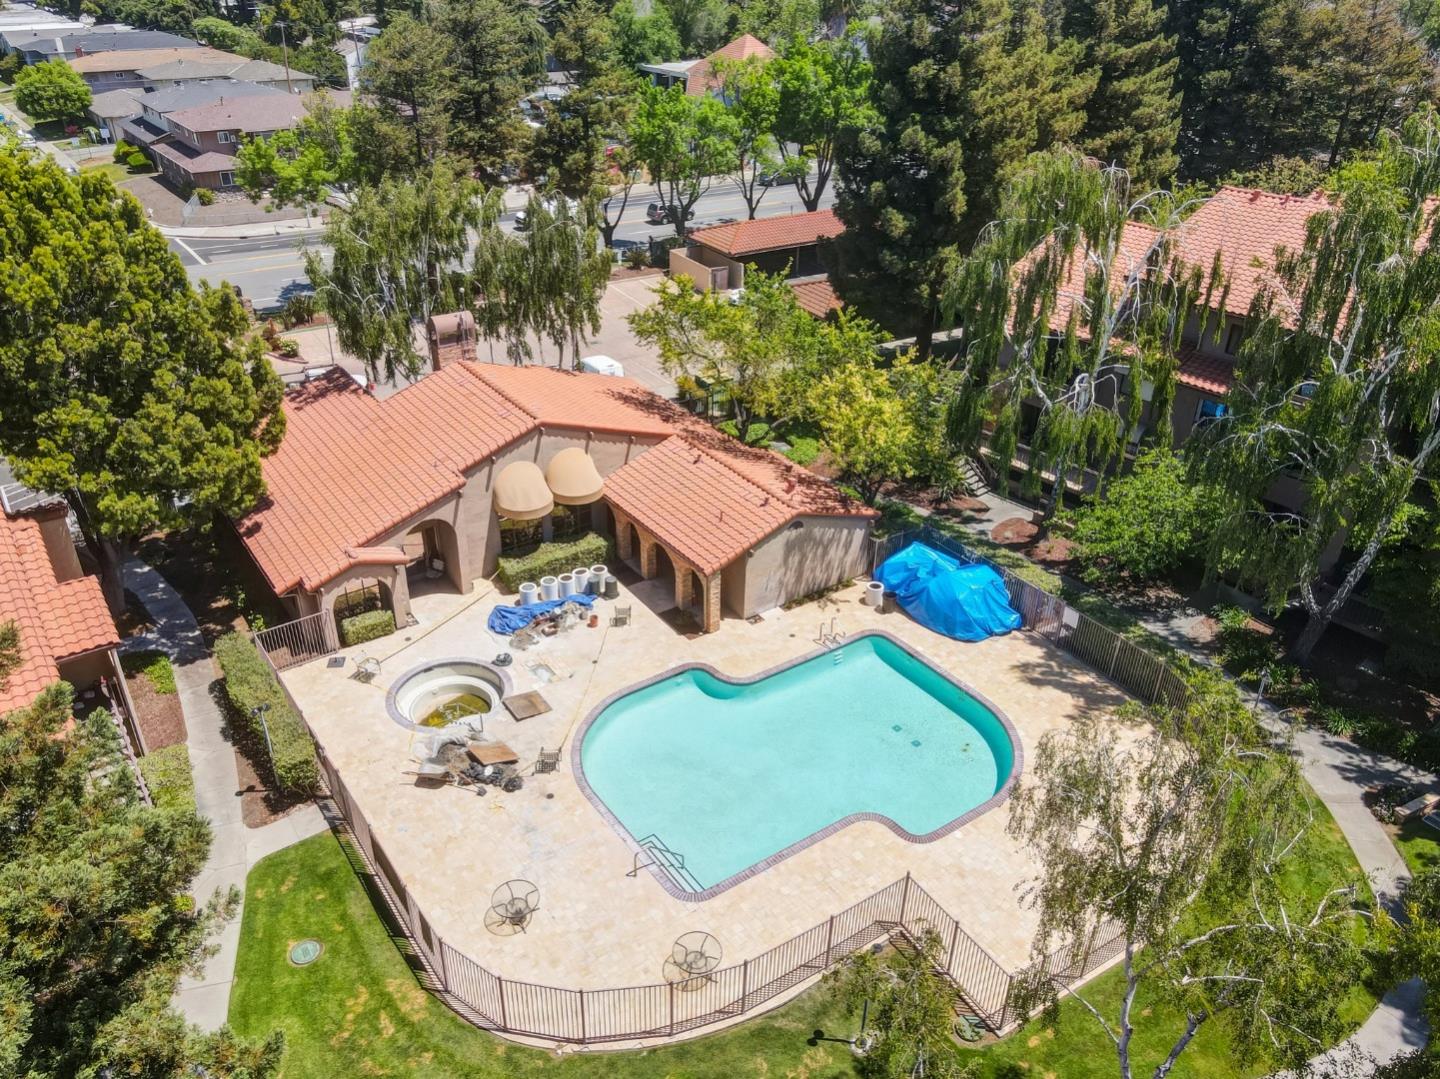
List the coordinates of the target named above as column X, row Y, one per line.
column 733, row 776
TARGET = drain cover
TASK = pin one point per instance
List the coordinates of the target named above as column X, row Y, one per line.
column 915, row 742
column 305, row 952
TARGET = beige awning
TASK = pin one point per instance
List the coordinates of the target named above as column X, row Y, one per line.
column 573, row 477
column 521, row 493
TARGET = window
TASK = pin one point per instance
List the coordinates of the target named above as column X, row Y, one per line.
column 519, row 537
column 566, row 521
column 119, row 74
column 225, row 136
column 227, row 179
column 1210, row 411
column 1234, row 337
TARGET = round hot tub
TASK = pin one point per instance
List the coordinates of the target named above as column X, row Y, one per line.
column 445, row 691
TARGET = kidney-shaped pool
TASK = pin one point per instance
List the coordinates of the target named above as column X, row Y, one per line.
column 733, row 776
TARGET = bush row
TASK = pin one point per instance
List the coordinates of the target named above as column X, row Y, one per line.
column 359, row 628
column 554, row 558
column 167, row 774
column 250, row 686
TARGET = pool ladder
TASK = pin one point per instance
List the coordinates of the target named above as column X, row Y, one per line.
column 673, row 862
column 829, row 637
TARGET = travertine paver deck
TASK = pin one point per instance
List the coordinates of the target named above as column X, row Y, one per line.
column 598, row 927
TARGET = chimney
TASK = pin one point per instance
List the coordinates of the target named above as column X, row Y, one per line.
column 451, row 339
column 79, row 49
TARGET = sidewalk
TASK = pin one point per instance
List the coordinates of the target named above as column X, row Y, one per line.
column 1339, row 771
column 205, row 999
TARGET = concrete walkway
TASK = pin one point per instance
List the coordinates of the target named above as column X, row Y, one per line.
column 205, row 999
column 1339, row 771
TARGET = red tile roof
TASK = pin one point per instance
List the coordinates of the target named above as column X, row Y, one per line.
column 700, row 78
column 1211, row 374
column 742, row 238
column 57, row 620
column 352, row 469
column 816, row 295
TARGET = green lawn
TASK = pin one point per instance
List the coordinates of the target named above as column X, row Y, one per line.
column 359, row 1011
column 1419, row 844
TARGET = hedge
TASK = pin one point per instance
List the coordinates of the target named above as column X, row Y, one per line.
column 155, row 666
column 167, row 774
column 359, row 628
column 249, row 684
column 554, row 558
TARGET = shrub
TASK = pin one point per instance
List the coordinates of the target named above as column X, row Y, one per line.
column 298, row 309
column 1244, row 652
column 270, row 332
column 250, row 687
column 755, row 434
column 288, row 348
column 123, row 150
column 137, row 161
column 155, row 666
column 803, row 450
column 554, row 558
column 359, row 628
column 167, row 774
column 637, row 258
column 204, row 196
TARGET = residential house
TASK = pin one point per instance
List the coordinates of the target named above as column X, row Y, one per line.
column 477, row 460
column 715, row 258
column 108, row 110
column 65, row 627
column 45, row 44
column 355, row 37
column 698, row 76
column 194, row 133
column 159, row 69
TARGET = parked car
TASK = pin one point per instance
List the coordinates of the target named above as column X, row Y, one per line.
column 658, row 213
column 775, row 179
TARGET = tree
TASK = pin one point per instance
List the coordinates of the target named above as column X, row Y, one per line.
column 409, row 70
column 51, row 91
column 910, row 1008
column 779, row 20
column 764, row 353
column 683, row 142
column 1133, row 117
column 616, row 196
column 1184, row 841
column 1069, row 307
column 1362, row 70
column 1235, row 97
column 1405, row 585
column 1337, row 384
column 644, row 39
column 98, row 923
column 753, row 101
column 226, row 36
column 497, row 56
column 145, row 403
column 824, row 90
column 292, row 171
column 395, row 253
column 1147, row 524
column 964, row 91
column 868, row 426
column 702, row 25
column 1284, row 175
column 1410, row 948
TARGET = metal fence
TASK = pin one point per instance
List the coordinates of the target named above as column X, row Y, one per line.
column 293, row 643
column 1138, row 672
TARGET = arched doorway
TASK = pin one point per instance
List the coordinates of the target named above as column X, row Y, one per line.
column 697, row 597
column 664, row 567
column 433, row 552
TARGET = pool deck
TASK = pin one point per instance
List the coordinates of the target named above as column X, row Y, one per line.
column 597, row 926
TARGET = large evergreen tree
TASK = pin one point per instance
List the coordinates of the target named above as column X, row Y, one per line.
column 1133, row 118
column 964, row 91
column 142, row 401
column 409, row 71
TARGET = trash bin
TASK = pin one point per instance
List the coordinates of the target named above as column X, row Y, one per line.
column 874, row 594
column 612, row 588
column 887, row 605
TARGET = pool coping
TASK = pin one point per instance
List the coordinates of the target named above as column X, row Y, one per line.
column 673, row 887
column 507, row 686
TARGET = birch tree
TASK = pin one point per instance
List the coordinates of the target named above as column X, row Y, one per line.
column 1337, row 386
column 1073, row 302
column 1181, row 845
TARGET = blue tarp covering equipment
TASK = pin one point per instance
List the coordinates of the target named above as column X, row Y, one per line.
column 967, row 602
column 507, row 620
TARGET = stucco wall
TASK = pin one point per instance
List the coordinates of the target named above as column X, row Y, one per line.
column 807, row 555
column 82, row 672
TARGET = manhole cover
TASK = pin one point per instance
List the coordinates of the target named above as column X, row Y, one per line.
column 304, row 952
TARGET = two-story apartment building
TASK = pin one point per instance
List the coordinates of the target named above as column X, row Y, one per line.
column 193, row 133
column 38, row 45
column 698, row 76
column 158, row 69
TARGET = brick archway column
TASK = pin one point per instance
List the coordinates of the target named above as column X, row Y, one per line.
column 684, row 584
column 710, row 621
column 623, row 549
column 648, row 562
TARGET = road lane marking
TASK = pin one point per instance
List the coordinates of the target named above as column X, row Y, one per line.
column 189, row 251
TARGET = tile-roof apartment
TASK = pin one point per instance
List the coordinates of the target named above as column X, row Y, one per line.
column 698, row 76
column 463, row 466
column 158, row 68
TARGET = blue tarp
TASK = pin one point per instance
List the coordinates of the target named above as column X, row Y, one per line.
column 967, row 602
column 506, row 620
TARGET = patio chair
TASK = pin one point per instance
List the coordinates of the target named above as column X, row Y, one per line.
column 621, row 617
column 547, row 762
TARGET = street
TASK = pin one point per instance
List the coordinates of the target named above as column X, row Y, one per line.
column 267, row 269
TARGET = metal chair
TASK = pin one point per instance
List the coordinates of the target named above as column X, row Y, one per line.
column 548, row 761
column 621, row 616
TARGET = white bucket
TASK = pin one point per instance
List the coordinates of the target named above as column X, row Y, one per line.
column 598, row 573
column 549, row 588
column 874, row 594
column 567, row 585
column 529, row 593
column 582, row 580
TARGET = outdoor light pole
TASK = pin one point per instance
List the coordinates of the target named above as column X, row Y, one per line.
column 259, row 713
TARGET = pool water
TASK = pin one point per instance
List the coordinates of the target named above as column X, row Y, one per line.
column 727, row 774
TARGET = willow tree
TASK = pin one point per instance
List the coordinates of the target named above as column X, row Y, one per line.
column 1337, row 384
column 397, row 256
column 1073, row 303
